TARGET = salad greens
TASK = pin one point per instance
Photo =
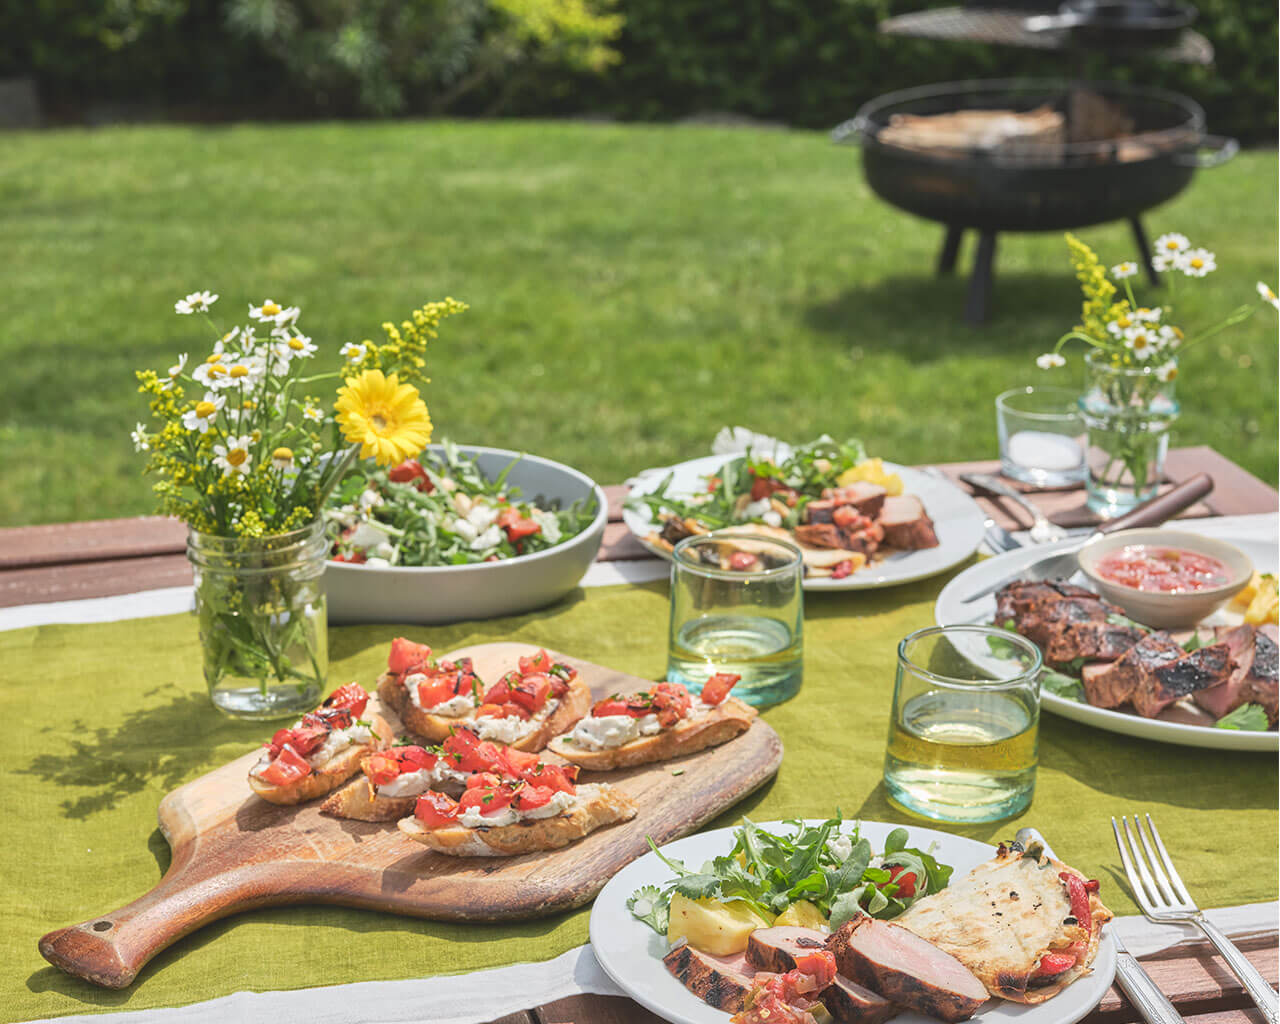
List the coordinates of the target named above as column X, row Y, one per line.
column 828, row 866
column 808, row 470
column 443, row 510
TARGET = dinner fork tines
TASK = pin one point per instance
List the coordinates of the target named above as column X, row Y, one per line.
column 1159, row 891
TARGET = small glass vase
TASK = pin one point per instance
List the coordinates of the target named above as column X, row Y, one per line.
column 1127, row 412
column 263, row 620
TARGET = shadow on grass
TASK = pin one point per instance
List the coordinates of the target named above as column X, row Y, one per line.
column 920, row 316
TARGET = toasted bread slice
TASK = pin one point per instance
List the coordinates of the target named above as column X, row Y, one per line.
column 435, row 728
column 330, row 775
column 719, row 725
column 359, row 801
column 597, row 805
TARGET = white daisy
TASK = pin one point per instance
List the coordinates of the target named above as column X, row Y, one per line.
column 1170, row 337
column 1167, row 372
column 1171, row 244
column 1141, row 341
column 282, row 458
column 301, row 346
column 233, row 457
column 141, row 442
column 1122, row 270
column 271, row 312
column 196, row 302
column 352, row 352
column 1118, row 327
column 313, row 413
column 1196, row 262
column 1162, row 262
column 1049, row 360
column 175, row 371
column 288, row 316
column 212, row 373
column 1268, row 295
column 205, row 410
column 224, row 343
column 1147, row 316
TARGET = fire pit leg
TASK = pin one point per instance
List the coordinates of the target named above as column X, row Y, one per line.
column 950, row 249
column 979, row 297
column 1144, row 249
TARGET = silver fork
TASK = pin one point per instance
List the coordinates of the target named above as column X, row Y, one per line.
column 1159, row 891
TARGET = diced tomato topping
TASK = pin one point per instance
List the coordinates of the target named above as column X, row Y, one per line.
column 515, row 762
column 904, row 879
column 287, row 767
column 484, row 780
column 671, row 702
column 387, row 765
column 1055, row 963
column 487, row 799
column 513, row 710
column 529, row 798
column 819, row 964
column 437, row 689
column 540, row 662
column 532, row 693
column 744, row 561
column 717, row 688
column 488, row 710
column 352, row 697
column 406, row 655
column 435, row 810
column 847, row 516
column 611, row 706
column 466, row 752
column 355, row 558
column 842, row 569
column 552, row 777
column 500, row 692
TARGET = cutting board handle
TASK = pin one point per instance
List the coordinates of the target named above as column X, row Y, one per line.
column 110, row 949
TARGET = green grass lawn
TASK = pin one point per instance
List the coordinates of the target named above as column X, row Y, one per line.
column 633, row 289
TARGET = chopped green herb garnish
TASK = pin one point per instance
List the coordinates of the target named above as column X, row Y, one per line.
column 1247, row 717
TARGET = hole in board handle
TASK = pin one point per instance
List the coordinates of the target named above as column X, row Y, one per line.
column 101, row 926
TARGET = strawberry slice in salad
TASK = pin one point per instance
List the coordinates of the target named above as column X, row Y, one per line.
column 620, row 719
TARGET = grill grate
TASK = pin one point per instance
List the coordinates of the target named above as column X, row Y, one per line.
column 1005, row 28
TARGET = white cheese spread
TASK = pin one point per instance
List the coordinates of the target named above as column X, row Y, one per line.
column 336, row 742
column 417, row 783
column 512, row 730
column 608, row 731
column 558, row 804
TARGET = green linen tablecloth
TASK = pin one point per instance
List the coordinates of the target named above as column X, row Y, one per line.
column 103, row 720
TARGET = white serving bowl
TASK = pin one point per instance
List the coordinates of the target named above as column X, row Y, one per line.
column 1162, row 610
column 432, row 595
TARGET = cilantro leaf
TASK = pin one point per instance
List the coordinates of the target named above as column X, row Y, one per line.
column 697, row 886
column 651, row 906
column 1248, row 717
column 1061, row 685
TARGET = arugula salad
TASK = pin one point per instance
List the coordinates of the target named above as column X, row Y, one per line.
column 442, row 510
column 754, row 488
column 817, row 871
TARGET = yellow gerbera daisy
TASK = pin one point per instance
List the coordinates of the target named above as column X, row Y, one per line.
column 387, row 419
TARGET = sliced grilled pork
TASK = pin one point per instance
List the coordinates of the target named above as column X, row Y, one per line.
column 1092, row 641
column 1109, row 686
column 867, row 498
column 1021, row 597
column 905, row 523
column 775, row 949
column 820, row 511
column 1160, row 687
column 1229, row 695
column 905, row 969
column 1261, row 682
column 719, row 981
column 820, row 535
column 850, row 1003
column 1052, row 618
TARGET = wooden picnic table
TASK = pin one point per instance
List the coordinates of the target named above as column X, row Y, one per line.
column 100, row 558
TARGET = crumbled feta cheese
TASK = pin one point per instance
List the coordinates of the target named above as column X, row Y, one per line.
column 377, row 563
column 840, row 847
column 368, row 535
column 482, row 516
column 370, row 499
column 386, row 550
column 549, row 523
column 756, row 509
column 772, row 518
column 463, row 529
column 491, row 538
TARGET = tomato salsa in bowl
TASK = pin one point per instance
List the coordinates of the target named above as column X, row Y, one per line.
column 1165, row 578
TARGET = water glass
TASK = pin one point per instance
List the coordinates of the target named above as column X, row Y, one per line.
column 964, row 724
column 737, row 606
column 1041, row 436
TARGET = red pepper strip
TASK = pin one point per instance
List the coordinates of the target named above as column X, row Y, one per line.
column 1055, row 963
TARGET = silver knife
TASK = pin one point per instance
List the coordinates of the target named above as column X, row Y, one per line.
column 1150, row 513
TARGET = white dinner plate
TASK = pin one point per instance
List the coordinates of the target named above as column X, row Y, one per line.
column 957, row 519
column 951, row 610
column 631, row 952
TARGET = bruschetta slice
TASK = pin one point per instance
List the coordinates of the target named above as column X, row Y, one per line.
column 655, row 725
column 321, row 751
column 392, row 780
column 503, row 817
column 524, row 709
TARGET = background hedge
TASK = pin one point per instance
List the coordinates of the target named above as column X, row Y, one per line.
column 802, row 62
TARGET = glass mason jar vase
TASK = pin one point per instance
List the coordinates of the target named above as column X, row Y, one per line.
column 263, row 620
column 1127, row 412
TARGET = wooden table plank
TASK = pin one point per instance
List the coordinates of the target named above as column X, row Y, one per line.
column 91, row 541
column 40, row 584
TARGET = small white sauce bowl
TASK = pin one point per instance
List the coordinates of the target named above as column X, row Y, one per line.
column 1156, row 608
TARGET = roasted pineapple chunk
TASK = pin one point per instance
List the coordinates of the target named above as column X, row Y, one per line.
column 712, row 926
column 873, row 472
column 803, row 914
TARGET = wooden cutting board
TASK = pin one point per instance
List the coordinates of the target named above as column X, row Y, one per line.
column 233, row 851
